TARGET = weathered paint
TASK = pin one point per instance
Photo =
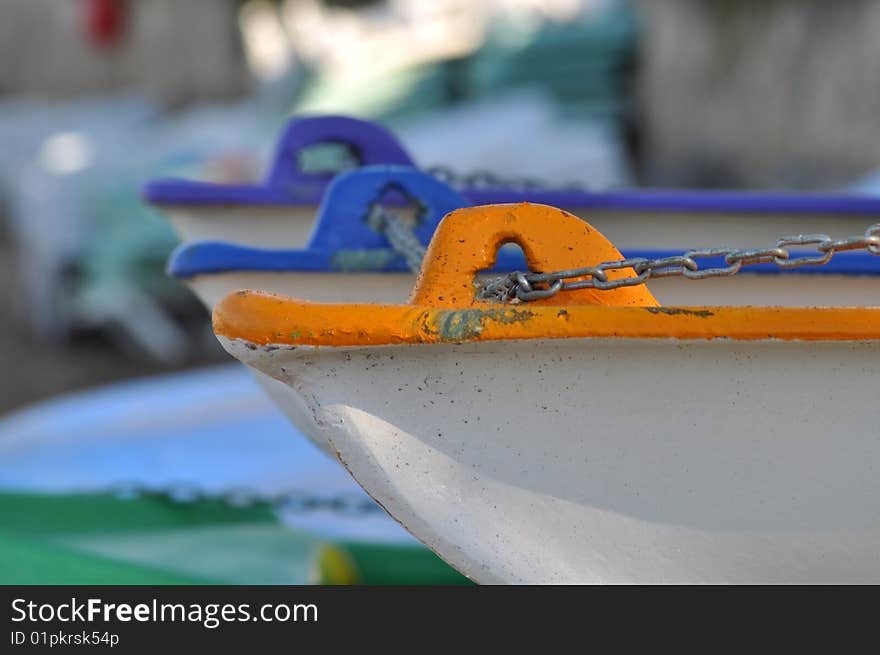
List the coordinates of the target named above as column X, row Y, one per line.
column 465, row 324
column 264, row 318
column 466, row 243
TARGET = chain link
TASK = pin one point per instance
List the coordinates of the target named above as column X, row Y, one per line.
column 402, row 238
column 483, row 179
column 293, row 501
column 526, row 287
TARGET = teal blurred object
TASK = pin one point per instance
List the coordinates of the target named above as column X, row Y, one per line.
column 120, row 286
column 386, row 96
column 49, row 150
column 584, row 65
column 91, row 256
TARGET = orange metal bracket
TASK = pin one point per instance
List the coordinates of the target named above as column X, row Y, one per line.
column 467, row 241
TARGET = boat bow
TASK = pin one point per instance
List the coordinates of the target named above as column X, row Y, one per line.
column 594, row 436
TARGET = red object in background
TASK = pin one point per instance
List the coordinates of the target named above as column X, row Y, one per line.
column 105, row 21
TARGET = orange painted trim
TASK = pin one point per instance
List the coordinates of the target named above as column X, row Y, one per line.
column 443, row 306
column 264, row 318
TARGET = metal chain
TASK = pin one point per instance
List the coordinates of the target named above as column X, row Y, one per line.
column 401, row 236
column 295, row 501
column 535, row 286
column 483, row 179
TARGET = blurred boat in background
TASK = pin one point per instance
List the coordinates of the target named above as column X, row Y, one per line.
column 188, row 477
column 645, row 223
column 347, row 260
column 279, row 212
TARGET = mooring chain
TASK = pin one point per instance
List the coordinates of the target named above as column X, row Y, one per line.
column 535, row 286
column 294, row 501
column 402, row 238
column 482, row 179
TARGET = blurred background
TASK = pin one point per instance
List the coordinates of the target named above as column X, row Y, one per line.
column 99, row 96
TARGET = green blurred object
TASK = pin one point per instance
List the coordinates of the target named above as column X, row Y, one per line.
column 584, row 65
column 154, row 540
column 387, row 96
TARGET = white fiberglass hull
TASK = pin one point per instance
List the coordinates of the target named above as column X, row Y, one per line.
column 246, row 225
column 341, row 287
column 290, row 227
column 382, row 288
column 391, row 288
column 611, row 460
column 644, row 230
column 789, row 290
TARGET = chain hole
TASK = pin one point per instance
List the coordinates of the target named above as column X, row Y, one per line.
column 395, row 200
column 514, row 258
column 329, row 158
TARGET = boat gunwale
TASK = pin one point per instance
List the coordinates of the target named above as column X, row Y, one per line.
column 266, row 319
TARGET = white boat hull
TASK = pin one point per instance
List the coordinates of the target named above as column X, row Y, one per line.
column 320, row 287
column 789, row 290
column 635, row 230
column 610, row 460
column 394, row 288
column 246, row 225
column 382, row 288
column 291, row 227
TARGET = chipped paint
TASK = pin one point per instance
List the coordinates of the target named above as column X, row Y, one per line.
column 258, row 317
column 466, row 324
column 680, row 311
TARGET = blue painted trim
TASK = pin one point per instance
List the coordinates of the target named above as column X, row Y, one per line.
column 341, row 239
column 209, row 257
column 341, row 219
column 285, row 184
